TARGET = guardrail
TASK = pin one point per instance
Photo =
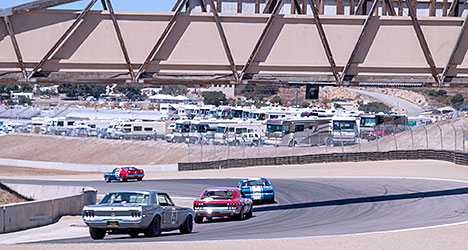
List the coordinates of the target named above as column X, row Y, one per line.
column 457, row 157
column 31, row 214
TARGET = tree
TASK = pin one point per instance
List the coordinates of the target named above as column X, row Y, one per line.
column 375, row 107
column 259, row 91
column 75, row 90
column 277, row 99
column 174, row 90
column 8, row 87
column 440, row 92
column 24, row 100
column 457, row 101
column 213, row 97
column 25, row 87
column 131, row 91
column 337, row 106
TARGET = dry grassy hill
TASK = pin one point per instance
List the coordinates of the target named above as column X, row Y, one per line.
column 101, row 151
column 7, row 196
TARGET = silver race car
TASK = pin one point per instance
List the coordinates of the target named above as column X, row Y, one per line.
column 134, row 212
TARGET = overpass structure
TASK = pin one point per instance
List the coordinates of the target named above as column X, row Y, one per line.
column 362, row 42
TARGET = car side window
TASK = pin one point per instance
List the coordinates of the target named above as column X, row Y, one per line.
column 164, row 200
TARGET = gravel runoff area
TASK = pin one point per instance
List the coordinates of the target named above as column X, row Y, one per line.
column 444, row 237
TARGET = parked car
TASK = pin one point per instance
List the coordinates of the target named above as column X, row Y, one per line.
column 124, row 174
column 381, row 131
column 258, row 189
column 221, row 202
column 250, row 139
column 134, row 212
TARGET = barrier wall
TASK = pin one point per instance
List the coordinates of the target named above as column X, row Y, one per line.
column 2, row 224
column 457, row 157
column 43, row 192
column 81, row 167
column 26, row 215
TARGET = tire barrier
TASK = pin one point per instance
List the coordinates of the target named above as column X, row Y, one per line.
column 457, row 157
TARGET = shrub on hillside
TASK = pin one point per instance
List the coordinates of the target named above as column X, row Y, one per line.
column 375, row 107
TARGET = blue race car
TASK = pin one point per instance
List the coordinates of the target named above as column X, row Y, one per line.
column 257, row 189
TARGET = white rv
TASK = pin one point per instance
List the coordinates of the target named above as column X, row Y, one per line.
column 229, row 133
column 139, row 130
column 345, row 130
column 60, row 125
column 302, row 130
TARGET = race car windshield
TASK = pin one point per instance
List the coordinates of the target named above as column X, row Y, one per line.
column 126, row 198
column 251, row 183
column 218, row 194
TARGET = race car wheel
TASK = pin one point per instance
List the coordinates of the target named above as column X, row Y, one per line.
column 187, row 227
column 97, row 233
column 198, row 219
column 122, row 179
column 241, row 214
column 271, row 200
column 249, row 213
column 154, row 228
column 108, row 179
column 133, row 234
column 139, row 179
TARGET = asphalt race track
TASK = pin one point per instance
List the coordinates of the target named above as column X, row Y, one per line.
column 309, row 207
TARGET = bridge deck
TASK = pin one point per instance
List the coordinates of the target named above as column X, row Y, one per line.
column 193, row 50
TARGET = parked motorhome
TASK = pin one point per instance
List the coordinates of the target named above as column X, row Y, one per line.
column 202, row 129
column 228, row 133
column 390, row 122
column 345, row 130
column 60, row 126
column 140, row 130
column 180, row 131
column 294, row 131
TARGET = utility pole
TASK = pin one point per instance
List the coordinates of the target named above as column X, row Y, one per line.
column 297, row 91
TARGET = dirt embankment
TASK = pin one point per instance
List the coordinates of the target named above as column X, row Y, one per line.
column 102, row 151
column 408, row 95
column 87, row 150
column 8, row 196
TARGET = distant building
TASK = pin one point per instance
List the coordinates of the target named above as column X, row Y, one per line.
column 346, row 105
column 53, row 88
column 21, row 94
column 227, row 89
column 150, row 91
column 160, row 98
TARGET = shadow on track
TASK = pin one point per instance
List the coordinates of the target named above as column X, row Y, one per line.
column 450, row 192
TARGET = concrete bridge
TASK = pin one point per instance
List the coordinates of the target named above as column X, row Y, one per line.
column 43, row 45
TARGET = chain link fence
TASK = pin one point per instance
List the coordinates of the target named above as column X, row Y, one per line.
column 384, row 138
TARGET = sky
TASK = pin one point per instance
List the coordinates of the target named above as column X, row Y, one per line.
column 130, row 5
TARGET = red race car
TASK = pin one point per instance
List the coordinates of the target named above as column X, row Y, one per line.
column 221, row 202
column 125, row 173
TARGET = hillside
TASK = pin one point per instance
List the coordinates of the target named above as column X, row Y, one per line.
column 7, row 196
column 101, row 151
